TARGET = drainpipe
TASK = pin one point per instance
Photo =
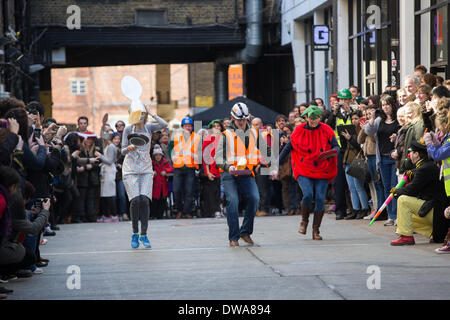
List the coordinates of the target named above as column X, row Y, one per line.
column 249, row 54
column 221, row 83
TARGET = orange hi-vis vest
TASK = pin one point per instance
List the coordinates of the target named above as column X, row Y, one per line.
column 184, row 152
column 236, row 148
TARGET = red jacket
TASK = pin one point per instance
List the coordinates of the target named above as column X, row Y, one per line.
column 161, row 183
column 208, row 156
column 307, row 144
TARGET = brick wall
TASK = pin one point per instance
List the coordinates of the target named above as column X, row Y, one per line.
column 201, row 80
column 111, row 12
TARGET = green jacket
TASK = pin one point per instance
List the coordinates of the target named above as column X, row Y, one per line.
column 414, row 133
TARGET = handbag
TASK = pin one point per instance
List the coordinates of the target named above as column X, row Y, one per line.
column 359, row 169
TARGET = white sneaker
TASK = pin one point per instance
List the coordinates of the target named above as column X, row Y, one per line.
column 444, row 249
column 370, row 216
column 38, row 271
column 218, row 215
column 44, row 242
column 388, row 223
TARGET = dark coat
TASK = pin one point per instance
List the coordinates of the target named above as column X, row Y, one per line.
column 7, row 148
column 87, row 178
column 41, row 179
column 426, row 185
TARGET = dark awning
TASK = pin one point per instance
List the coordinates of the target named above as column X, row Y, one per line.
column 223, row 111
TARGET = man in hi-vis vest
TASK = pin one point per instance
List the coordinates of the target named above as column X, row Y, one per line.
column 239, row 154
column 184, row 150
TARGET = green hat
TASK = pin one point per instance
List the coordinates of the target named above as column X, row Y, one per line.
column 359, row 99
column 312, row 112
column 210, row 125
column 344, row 94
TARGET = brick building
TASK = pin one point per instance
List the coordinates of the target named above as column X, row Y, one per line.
column 92, row 92
column 211, row 33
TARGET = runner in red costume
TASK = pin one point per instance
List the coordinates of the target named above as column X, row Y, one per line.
column 314, row 148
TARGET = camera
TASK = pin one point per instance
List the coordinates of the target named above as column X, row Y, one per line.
column 4, row 124
column 32, row 110
column 340, row 104
column 38, row 203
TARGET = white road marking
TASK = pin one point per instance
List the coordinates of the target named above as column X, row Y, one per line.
column 192, row 249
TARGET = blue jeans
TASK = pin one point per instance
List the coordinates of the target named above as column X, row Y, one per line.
column 372, row 163
column 389, row 178
column 358, row 194
column 121, row 197
column 294, row 195
column 30, row 243
column 309, row 186
column 246, row 186
column 183, row 189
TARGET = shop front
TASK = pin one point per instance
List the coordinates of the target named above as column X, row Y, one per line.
column 374, row 42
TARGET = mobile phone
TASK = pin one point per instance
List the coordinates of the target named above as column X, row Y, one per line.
column 4, row 124
column 37, row 133
column 363, row 120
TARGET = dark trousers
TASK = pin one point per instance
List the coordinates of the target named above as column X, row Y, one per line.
column 183, row 189
column 63, row 203
column 28, row 260
column 340, row 186
column 211, row 197
column 108, row 206
column 86, row 204
column 263, row 183
column 276, row 194
column 158, row 207
column 121, row 198
column 295, row 194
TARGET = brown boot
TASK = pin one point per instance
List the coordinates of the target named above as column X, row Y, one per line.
column 318, row 215
column 305, row 219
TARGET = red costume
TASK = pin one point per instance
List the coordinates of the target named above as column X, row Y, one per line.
column 307, row 144
column 160, row 183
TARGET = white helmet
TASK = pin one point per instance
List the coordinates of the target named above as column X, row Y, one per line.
column 240, row 111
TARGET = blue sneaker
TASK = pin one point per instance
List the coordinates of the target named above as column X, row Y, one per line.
column 145, row 241
column 135, row 241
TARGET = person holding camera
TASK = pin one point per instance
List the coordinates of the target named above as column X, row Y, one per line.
column 14, row 258
column 340, row 116
column 352, row 149
column 87, row 160
column 42, row 178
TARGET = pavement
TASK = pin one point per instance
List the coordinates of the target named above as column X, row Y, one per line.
column 191, row 260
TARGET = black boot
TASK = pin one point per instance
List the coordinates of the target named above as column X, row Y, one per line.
column 362, row 214
column 352, row 215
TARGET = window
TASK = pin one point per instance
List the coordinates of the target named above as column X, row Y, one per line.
column 151, row 17
column 78, row 87
column 432, row 45
column 374, row 53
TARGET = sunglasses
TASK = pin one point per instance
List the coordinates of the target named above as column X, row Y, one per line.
column 120, row 125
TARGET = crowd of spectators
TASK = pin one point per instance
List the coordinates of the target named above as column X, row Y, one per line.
column 49, row 176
